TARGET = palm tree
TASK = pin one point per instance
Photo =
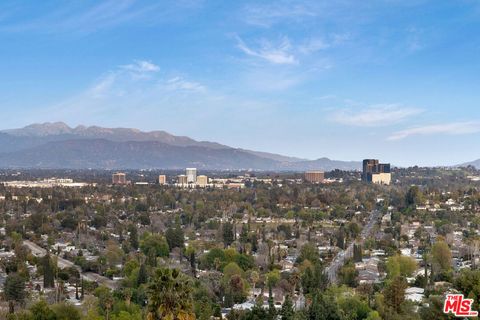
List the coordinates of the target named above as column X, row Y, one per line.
column 169, row 296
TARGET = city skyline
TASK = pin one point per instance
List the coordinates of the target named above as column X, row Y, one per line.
column 308, row 79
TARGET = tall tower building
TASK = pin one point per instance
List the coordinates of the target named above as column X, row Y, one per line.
column 162, row 179
column 376, row 172
column 191, row 174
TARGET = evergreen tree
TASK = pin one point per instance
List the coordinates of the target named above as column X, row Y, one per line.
column 193, row 264
column 314, row 279
column 341, row 238
column 287, row 312
column 228, row 236
column 244, row 236
column 324, row 307
column 257, row 312
column 254, row 242
column 14, row 290
column 175, row 237
column 142, row 275
column 357, row 253
column 41, row 311
column 272, row 313
column 133, row 237
column 395, row 293
column 48, row 272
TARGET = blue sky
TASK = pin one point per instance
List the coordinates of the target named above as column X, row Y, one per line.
column 396, row 80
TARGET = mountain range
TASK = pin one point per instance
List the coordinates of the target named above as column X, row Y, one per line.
column 56, row 145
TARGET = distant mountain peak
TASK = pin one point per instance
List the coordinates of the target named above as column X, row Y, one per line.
column 41, row 129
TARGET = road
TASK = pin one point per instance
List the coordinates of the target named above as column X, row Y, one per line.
column 64, row 263
column 344, row 255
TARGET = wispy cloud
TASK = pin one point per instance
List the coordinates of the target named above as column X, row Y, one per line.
column 266, row 15
column 117, row 82
column 160, row 95
column 276, row 54
column 86, row 18
column 374, row 116
column 455, row 128
column 179, row 83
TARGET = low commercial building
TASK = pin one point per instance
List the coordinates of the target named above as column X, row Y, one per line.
column 381, row 178
column 119, row 178
column 202, row 181
column 182, row 179
column 315, row 176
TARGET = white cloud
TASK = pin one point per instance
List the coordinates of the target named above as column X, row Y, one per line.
column 374, row 116
column 122, row 80
column 178, row 83
column 455, row 128
column 279, row 54
column 141, row 66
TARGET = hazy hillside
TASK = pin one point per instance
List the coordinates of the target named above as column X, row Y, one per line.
column 56, row 145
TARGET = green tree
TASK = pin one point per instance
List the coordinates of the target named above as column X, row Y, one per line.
column 228, row 235
column 273, row 277
column 169, row 296
column 414, row 196
column 399, row 265
column 42, row 311
column 125, row 315
column 48, row 271
column 314, row 279
column 287, row 312
column 133, row 236
column 175, row 237
column 468, row 282
column 341, row 238
column 348, row 274
column 357, row 253
column 233, row 284
column 442, row 256
column 324, row 307
column 65, row 311
column 154, row 244
column 14, row 290
column 142, row 276
column 394, row 293
column 309, row 252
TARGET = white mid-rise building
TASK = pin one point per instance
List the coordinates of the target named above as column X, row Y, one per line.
column 191, row 174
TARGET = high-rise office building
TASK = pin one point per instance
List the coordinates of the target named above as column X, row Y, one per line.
column 162, row 179
column 376, row 172
column 314, row 176
column 119, row 178
column 191, row 174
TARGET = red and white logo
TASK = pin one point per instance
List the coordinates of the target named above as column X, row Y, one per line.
column 459, row 306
